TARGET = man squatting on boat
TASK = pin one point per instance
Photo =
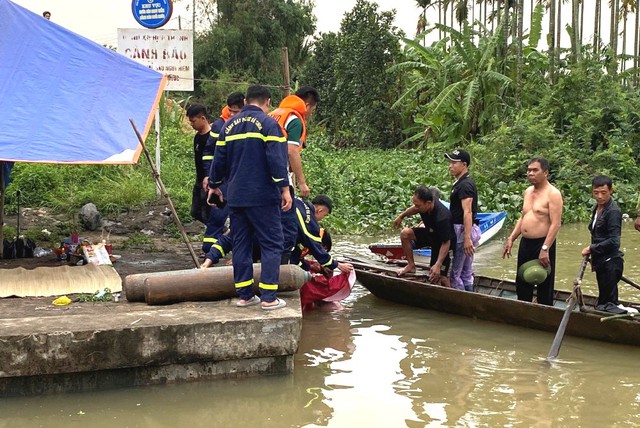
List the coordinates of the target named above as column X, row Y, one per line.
column 539, row 225
column 437, row 232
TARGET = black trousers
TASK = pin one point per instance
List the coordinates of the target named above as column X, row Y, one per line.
column 530, row 250
column 608, row 274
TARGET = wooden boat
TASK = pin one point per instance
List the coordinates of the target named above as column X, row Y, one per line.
column 495, row 300
column 490, row 224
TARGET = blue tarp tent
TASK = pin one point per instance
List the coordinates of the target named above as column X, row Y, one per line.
column 66, row 99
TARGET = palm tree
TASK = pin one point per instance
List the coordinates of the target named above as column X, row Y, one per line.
column 422, row 20
column 519, row 41
column 613, row 35
column 596, row 27
column 635, row 44
column 462, row 12
column 575, row 29
column 552, row 40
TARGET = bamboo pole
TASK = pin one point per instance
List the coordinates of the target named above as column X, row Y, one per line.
column 165, row 194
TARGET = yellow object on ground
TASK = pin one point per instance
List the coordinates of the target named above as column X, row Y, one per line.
column 62, row 301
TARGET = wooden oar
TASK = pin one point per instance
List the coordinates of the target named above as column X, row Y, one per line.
column 573, row 300
column 631, row 283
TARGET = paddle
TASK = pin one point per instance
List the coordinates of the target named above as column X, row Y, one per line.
column 631, row 283
column 573, row 299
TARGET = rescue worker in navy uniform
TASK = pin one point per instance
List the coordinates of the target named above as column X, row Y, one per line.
column 217, row 217
column 197, row 115
column 292, row 115
column 308, row 237
column 251, row 157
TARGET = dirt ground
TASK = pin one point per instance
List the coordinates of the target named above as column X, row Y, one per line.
column 158, row 246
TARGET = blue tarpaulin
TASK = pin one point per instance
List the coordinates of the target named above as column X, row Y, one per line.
column 66, row 99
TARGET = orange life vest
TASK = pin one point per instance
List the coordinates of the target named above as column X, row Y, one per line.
column 224, row 114
column 295, row 105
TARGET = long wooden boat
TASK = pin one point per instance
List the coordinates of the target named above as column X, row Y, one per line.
column 490, row 224
column 495, row 300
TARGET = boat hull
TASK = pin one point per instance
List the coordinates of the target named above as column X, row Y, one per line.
column 494, row 300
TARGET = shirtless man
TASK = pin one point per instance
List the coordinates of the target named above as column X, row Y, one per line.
column 538, row 225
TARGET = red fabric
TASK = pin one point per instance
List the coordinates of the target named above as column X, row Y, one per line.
column 320, row 288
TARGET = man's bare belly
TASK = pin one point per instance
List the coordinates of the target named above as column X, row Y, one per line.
column 535, row 226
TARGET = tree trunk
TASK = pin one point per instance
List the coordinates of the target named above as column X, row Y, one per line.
column 581, row 38
column 506, row 32
column 558, row 31
column 596, row 28
column 552, row 41
column 623, row 65
column 614, row 35
column 519, row 41
column 635, row 45
column 575, row 30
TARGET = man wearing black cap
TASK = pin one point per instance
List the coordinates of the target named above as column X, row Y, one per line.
column 464, row 209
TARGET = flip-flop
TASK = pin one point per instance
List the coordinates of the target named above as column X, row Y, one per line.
column 281, row 304
column 251, row 302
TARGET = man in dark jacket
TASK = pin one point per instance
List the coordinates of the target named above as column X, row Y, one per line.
column 606, row 258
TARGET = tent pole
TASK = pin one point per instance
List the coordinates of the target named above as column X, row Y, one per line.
column 2, row 189
column 166, row 195
column 158, row 147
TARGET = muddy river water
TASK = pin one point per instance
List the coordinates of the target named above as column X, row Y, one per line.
column 379, row 364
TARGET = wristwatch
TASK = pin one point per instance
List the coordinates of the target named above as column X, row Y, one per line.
column 545, row 247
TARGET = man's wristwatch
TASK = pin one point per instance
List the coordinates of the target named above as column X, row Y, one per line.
column 545, row 247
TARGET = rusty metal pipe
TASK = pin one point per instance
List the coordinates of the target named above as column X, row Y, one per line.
column 211, row 284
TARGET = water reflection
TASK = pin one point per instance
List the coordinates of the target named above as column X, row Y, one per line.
column 378, row 364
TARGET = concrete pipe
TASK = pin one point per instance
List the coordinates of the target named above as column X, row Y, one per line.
column 211, row 284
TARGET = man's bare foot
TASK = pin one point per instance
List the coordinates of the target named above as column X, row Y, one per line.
column 407, row 269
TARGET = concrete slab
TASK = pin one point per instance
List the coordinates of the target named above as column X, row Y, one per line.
column 86, row 346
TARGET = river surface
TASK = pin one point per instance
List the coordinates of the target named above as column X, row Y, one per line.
column 379, row 364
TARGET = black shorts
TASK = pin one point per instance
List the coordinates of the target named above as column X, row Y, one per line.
column 425, row 239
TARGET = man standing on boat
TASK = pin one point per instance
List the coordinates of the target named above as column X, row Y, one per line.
column 539, row 224
column 463, row 204
column 437, row 233
column 606, row 258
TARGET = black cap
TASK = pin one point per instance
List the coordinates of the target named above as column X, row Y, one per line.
column 459, row 156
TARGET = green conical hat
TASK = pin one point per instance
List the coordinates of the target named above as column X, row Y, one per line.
column 533, row 273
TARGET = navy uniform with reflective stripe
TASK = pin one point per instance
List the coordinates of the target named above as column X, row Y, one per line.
column 309, row 236
column 217, row 216
column 251, row 158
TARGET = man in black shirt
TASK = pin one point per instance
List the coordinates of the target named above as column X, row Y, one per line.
column 464, row 210
column 437, row 233
column 197, row 115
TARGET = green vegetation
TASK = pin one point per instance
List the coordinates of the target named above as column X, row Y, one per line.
column 391, row 106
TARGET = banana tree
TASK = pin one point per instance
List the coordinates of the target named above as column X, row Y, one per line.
column 455, row 94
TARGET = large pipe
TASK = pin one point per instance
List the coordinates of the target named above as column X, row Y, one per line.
column 211, row 284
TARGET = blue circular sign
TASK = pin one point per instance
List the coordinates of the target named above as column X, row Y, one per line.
column 152, row 13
